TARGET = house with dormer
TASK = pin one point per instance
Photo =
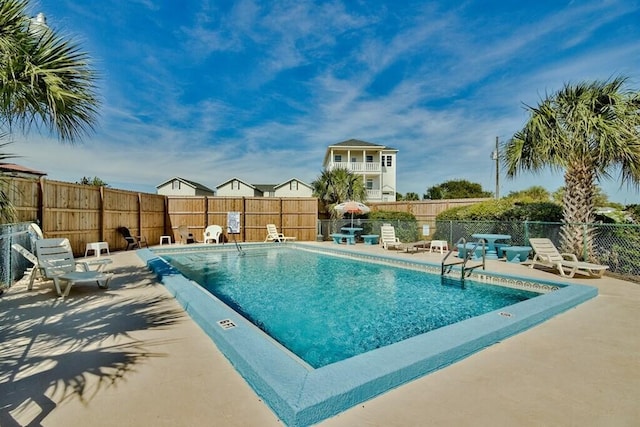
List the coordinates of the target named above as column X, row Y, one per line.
column 376, row 163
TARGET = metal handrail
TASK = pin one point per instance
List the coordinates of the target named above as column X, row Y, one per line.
column 467, row 257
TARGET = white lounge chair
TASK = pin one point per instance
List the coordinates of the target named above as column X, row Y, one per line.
column 388, row 237
column 547, row 255
column 56, row 262
column 212, row 234
column 274, row 236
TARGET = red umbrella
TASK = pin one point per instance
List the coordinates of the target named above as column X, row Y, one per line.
column 352, row 208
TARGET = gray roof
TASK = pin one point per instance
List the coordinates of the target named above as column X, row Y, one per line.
column 235, row 179
column 358, row 143
column 193, row 184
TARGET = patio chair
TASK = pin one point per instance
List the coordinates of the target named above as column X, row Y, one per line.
column 212, row 233
column 186, row 236
column 547, row 255
column 56, row 262
column 132, row 241
column 388, row 237
column 274, row 236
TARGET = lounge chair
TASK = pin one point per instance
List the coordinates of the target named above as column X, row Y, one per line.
column 34, row 271
column 388, row 237
column 414, row 246
column 56, row 262
column 547, row 255
column 212, row 234
column 132, row 241
column 186, row 236
column 274, row 236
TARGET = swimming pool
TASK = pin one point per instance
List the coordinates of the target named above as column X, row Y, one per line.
column 326, row 308
column 302, row 395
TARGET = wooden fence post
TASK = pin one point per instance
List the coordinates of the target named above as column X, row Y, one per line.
column 40, row 208
column 102, row 214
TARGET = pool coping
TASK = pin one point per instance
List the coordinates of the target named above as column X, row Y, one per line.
column 302, row 396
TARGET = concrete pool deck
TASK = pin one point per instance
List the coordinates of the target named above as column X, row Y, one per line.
column 131, row 356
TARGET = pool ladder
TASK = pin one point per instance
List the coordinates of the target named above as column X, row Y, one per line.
column 238, row 247
column 465, row 270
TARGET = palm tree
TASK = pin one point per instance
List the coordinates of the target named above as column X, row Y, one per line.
column 336, row 186
column 46, row 81
column 587, row 130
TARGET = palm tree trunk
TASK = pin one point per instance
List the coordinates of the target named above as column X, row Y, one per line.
column 576, row 235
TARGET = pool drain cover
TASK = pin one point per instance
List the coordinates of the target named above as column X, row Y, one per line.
column 226, row 324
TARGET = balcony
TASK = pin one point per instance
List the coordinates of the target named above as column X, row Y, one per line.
column 374, row 195
column 357, row 167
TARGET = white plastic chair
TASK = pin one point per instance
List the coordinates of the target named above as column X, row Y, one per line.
column 212, row 234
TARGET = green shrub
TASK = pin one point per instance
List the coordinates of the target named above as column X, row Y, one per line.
column 504, row 210
column 405, row 224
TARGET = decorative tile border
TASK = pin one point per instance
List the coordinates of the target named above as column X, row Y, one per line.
column 477, row 276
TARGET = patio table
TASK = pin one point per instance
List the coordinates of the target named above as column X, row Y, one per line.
column 351, row 231
column 491, row 242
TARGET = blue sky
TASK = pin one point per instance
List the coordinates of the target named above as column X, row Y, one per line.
column 210, row 90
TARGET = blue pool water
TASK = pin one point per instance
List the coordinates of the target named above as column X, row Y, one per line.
column 302, row 395
column 326, row 308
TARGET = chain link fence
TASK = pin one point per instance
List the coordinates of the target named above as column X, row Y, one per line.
column 615, row 245
column 12, row 264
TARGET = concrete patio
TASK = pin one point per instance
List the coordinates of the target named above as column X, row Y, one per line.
column 131, row 356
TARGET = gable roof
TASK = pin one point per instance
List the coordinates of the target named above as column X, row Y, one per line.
column 236, row 179
column 359, row 144
column 289, row 180
column 190, row 183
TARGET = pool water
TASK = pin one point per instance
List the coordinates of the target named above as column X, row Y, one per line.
column 326, row 308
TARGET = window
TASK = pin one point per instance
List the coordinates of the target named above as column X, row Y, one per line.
column 175, row 185
column 369, row 184
column 388, row 160
column 293, row 185
column 337, row 158
column 369, row 159
column 353, row 160
column 382, row 162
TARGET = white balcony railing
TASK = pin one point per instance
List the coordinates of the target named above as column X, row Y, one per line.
column 359, row 167
column 374, row 195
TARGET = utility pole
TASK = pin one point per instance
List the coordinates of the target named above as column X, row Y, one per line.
column 496, row 156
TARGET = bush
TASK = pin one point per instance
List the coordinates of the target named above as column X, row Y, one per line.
column 504, row 210
column 405, row 224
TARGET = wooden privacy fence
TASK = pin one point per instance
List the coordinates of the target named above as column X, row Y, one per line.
column 294, row 216
column 425, row 211
column 84, row 213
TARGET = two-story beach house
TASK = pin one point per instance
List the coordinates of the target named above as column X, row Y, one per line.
column 376, row 163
